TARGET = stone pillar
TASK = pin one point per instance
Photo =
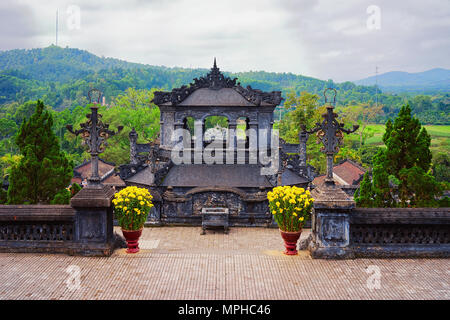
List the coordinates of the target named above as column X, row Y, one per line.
column 231, row 145
column 94, row 221
column 241, row 145
column 167, row 128
column 198, row 142
column 133, row 146
column 177, row 126
column 253, row 142
column 331, row 223
column 162, row 138
column 302, row 138
column 303, row 166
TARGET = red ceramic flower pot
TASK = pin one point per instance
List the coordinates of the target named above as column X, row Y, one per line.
column 290, row 241
column 132, row 238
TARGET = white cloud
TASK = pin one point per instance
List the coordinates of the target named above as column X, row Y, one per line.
column 321, row 38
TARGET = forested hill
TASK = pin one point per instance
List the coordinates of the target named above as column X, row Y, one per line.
column 54, row 62
column 67, row 65
column 434, row 80
column 61, row 77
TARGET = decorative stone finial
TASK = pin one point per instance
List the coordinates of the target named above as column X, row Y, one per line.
column 329, row 132
column 94, row 133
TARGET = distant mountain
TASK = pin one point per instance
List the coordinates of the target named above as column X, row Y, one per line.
column 397, row 81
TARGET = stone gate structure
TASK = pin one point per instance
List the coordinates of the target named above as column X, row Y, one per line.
column 236, row 173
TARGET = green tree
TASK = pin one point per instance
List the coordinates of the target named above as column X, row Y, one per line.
column 213, row 121
column 62, row 197
column 44, row 170
column 381, row 189
column 6, row 163
column 24, row 111
column 403, row 168
column 303, row 109
column 363, row 114
column 441, row 167
column 140, row 114
column 8, row 129
column 363, row 195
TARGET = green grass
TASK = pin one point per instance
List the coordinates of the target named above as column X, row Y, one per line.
column 440, row 137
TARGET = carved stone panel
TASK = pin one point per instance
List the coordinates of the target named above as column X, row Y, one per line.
column 259, row 207
column 334, row 230
column 177, row 208
column 92, row 226
column 228, row 200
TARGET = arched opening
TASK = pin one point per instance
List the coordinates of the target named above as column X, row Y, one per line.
column 214, row 128
column 188, row 124
column 242, row 126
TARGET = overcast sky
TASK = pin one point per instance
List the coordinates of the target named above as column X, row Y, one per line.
column 328, row 39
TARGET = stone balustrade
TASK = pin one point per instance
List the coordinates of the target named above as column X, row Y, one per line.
column 339, row 230
column 85, row 227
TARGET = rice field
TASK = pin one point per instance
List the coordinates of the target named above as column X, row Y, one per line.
column 440, row 136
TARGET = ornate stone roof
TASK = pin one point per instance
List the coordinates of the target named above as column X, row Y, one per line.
column 215, row 81
column 238, row 175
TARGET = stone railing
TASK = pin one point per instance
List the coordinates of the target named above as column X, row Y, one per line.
column 400, row 231
column 83, row 228
column 36, row 227
column 339, row 230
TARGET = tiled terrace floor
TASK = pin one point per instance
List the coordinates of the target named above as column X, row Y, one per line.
column 179, row 263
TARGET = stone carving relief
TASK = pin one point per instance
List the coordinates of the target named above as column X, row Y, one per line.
column 215, row 200
column 334, row 230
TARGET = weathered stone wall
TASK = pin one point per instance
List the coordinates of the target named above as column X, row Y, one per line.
column 386, row 232
column 181, row 208
column 37, row 228
column 380, row 232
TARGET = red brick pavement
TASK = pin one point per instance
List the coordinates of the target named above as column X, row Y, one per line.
column 179, row 263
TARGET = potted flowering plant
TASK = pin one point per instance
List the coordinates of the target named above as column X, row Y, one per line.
column 290, row 206
column 131, row 207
